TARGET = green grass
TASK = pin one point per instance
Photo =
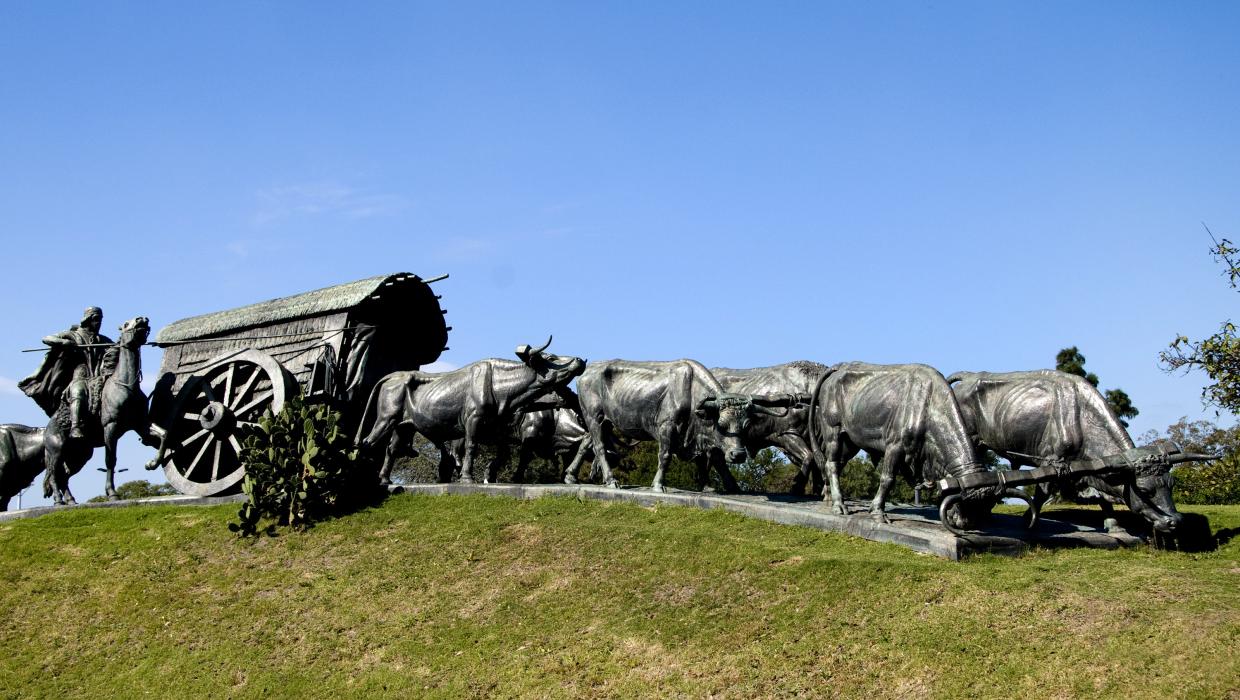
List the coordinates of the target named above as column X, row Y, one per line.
column 474, row 596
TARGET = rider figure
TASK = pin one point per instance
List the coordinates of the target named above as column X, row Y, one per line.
column 68, row 366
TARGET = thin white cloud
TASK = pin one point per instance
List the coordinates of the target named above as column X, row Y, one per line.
column 8, row 387
column 463, row 249
column 243, row 248
column 323, row 198
column 439, row 366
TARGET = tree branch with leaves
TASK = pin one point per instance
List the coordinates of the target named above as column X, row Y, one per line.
column 1218, row 355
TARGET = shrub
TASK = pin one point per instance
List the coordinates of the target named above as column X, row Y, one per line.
column 139, row 488
column 300, row 467
column 1211, row 483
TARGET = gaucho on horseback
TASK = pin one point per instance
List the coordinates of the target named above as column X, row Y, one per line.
column 74, row 358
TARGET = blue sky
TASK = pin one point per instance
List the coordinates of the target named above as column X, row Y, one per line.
column 969, row 185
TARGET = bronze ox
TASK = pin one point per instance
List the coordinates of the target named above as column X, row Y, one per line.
column 1048, row 417
column 21, row 459
column 554, row 434
column 905, row 417
column 476, row 402
column 678, row 404
column 789, row 430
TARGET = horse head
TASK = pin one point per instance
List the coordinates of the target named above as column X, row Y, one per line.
column 134, row 332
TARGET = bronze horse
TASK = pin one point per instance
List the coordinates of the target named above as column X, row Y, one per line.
column 122, row 406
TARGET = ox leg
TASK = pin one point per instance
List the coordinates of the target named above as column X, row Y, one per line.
column 595, row 426
column 831, row 459
column 389, row 457
column 725, row 472
column 834, row 495
column 469, row 450
column 525, row 453
column 570, row 471
column 447, row 463
column 803, row 457
column 886, row 477
column 665, row 456
column 502, row 457
column 810, row 474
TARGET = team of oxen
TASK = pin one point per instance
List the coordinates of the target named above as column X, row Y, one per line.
column 911, row 420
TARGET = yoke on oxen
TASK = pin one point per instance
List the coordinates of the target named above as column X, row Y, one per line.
column 1138, row 461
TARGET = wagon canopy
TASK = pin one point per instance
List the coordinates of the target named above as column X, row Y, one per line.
column 408, row 326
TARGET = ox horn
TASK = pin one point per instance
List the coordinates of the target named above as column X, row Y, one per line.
column 708, row 402
column 544, row 346
column 1189, row 457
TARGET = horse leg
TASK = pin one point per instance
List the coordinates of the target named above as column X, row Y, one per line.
column 111, row 435
column 52, row 449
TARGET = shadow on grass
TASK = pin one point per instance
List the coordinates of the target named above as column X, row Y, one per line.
column 357, row 499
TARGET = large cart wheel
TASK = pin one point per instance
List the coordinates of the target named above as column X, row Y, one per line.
column 209, row 411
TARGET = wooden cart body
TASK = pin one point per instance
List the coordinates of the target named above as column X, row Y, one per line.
column 221, row 370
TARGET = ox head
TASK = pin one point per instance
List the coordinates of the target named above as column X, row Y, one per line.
column 551, row 371
column 1146, row 487
column 728, row 416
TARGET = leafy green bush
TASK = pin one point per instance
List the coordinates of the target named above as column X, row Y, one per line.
column 300, row 467
column 1207, row 483
column 1211, row 483
column 139, row 488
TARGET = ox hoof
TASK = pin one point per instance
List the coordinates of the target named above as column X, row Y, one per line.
column 658, row 488
column 612, row 484
column 569, row 480
column 838, row 508
column 465, row 480
column 880, row 517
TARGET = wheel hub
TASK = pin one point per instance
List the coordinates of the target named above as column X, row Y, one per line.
column 216, row 417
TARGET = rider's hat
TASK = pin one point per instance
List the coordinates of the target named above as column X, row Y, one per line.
column 92, row 311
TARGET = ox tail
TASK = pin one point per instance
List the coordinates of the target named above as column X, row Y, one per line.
column 812, row 428
column 361, row 424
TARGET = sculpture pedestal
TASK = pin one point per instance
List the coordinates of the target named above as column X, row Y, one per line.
column 917, row 528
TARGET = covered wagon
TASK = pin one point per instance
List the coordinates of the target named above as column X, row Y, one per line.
column 222, row 370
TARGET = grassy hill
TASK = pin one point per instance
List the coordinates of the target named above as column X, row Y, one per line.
column 474, row 596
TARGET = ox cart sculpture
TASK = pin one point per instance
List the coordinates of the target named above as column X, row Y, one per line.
column 222, row 370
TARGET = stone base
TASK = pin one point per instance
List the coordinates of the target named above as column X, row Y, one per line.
column 915, row 527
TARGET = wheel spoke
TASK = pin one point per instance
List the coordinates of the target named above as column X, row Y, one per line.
column 191, row 438
column 197, row 458
column 236, row 444
column 260, row 398
column 215, row 467
column 245, row 389
column 228, row 380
